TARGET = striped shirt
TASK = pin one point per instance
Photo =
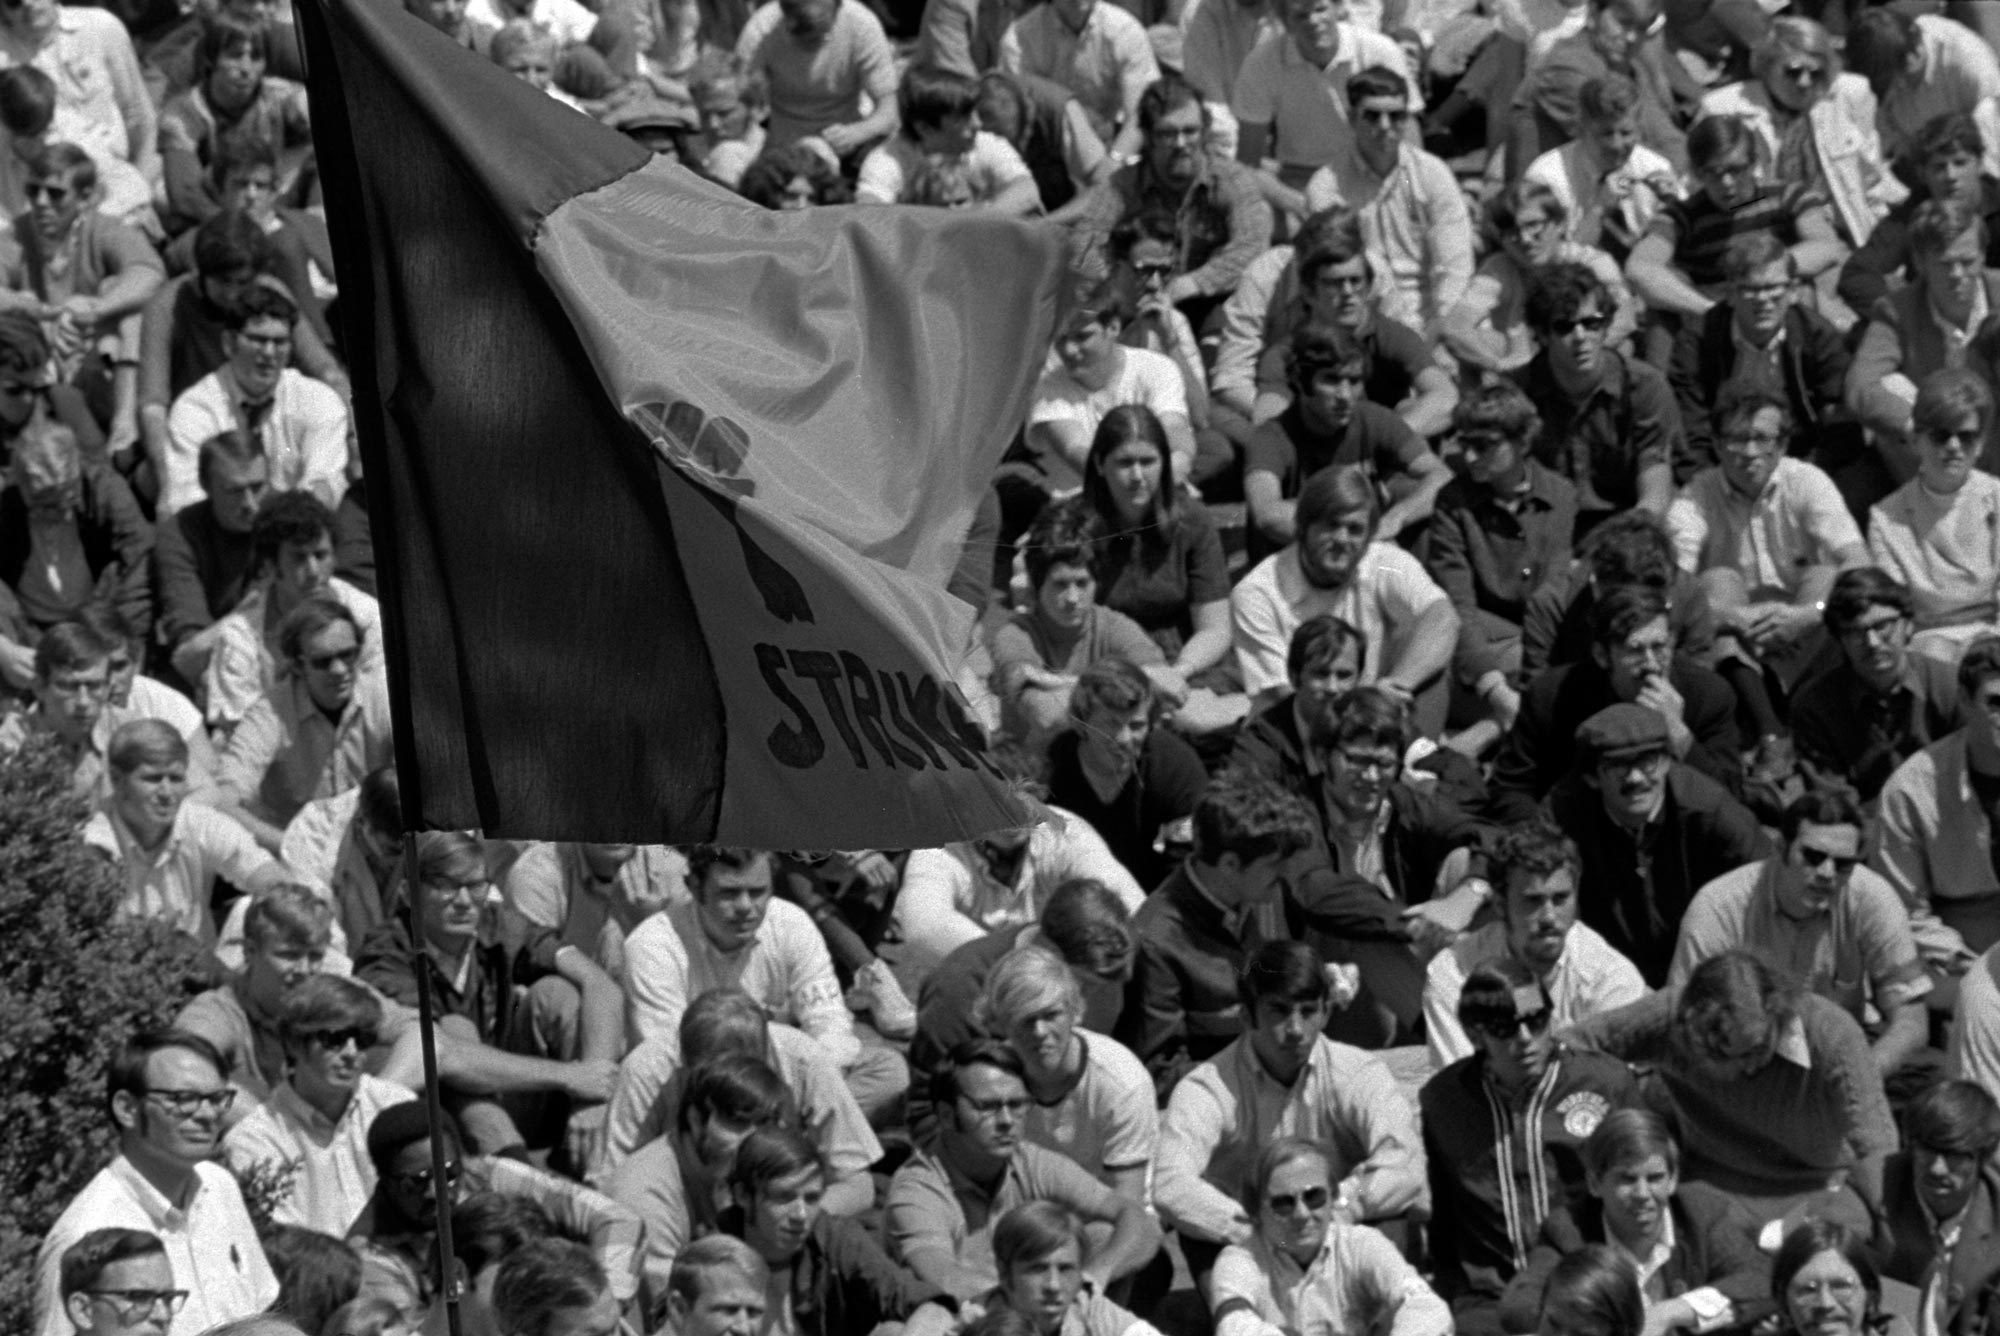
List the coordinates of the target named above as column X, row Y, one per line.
column 1701, row 230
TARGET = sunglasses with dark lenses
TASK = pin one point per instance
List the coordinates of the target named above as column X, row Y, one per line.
column 1379, row 116
column 1284, row 1203
column 361, row 1036
column 346, row 657
column 1821, row 858
column 420, row 1181
column 1153, row 270
column 1804, row 73
column 1497, row 1028
column 42, row 189
column 1593, row 324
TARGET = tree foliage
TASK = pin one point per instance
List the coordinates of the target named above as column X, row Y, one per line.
column 73, row 985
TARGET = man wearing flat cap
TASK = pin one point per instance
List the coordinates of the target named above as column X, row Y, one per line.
column 1651, row 832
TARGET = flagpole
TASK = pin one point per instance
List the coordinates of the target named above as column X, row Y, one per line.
column 426, row 1027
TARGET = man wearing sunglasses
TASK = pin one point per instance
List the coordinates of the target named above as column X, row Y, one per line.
column 1503, row 1135
column 318, row 1118
column 1412, row 210
column 1609, row 422
column 1814, row 912
column 167, row 1099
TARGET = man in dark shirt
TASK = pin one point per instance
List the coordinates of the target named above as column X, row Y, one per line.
column 1197, row 929
column 1650, row 831
column 1856, row 723
column 1331, row 421
column 1618, row 38
column 1948, row 155
column 205, row 554
column 1632, row 659
column 1609, row 424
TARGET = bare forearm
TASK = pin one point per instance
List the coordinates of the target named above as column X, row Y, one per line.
column 1429, row 648
column 850, row 1196
column 602, row 1025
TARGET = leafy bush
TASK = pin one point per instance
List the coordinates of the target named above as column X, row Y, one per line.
column 73, row 985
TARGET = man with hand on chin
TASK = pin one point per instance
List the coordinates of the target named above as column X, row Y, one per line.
column 1649, row 830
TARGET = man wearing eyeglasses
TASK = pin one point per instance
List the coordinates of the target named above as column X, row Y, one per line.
column 1855, row 723
column 1504, row 1131
column 318, row 1118
column 1412, row 210
column 118, row 1282
column 1814, row 912
column 944, row 1201
column 167, row 1099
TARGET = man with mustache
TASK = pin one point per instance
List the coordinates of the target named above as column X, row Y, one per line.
column 1813, row 911
column 1649, row 831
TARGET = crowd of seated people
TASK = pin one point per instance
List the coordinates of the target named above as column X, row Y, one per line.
column 1495, row 590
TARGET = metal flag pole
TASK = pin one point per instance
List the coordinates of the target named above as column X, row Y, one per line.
column 426, row 1027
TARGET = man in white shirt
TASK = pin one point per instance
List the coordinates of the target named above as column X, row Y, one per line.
column 300, row 423
column 167, row 1101
column 1098, row 51
column 732, row 933
column 1533, row 869
column 318, row 1118
column 595, row 894
column 1095, row 373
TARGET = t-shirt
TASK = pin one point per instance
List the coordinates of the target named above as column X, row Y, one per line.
column 1397, row 355
column 1108, row 1120
column 1162, row 789
column 1389, row 591
column 1142, row 377
column 1701, row 230
column 891, row 170
column 1160, row 584
column 814, row 87
column 1289, row 447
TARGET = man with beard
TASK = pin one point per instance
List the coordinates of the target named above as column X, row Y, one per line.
column 1609, row 423
column 1649, row 832
column 167, row 1101
column 1533, row 868
column 732, row 933
column 1632, row 660
column 1855, row 723
column 829, row 1277
column 318, row 1118
column 1221, row 220
column 1814, row 912
column 299, row 423
column 1284, row 1078
column 1338, row 566
column 1331, row 421
column 1504, row 1131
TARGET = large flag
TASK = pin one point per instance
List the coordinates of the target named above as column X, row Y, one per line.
column 664, row 487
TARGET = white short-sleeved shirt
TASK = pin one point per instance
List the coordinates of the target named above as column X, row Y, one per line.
column 1591, row 977
column 570, row 21
column 1110, row 1120
column 1389, row 591
column 211, row 1246
column 1107, row 65
column 173, row 884
column 1358, row 1282
column 1797, row 522
column 149, row 700
column 990, row 165
column 1142, row 377
column 335, row 1176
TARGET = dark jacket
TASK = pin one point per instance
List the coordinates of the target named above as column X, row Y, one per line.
column 1181, row 1007
column 1812, row 360
column 1867, row 276
column 1846, row 733
column 1715, row 1244
column 1268, row 746
column 1424, row 828
column 1903, row 1240
column 1626, row 424
column 201, row 571
column 117, row 545
column 1638, row 890
column 1540, row 749
column 843, row 1283
column 1488, row 558
column 944, row 1002
column 1557, row 627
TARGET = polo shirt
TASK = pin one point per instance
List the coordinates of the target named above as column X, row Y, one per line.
column 1226, row 1110
column 1845, row 730
column 669, row 961
column 646, row 1093
column 211, row 1246
column 551, row 885
column 1936, row 844
column 1488, row 557
column 303, row 435
column 1415, row 221
column 1859, row 951
column 1107, row 64
column 1627, row 423
column 1145, row 378
column 1356, row 1282
column 931, row 1208
column 1798, row 521
column 814, row 87
column 1306, row 105
column 1589, row 977
column 333, row 1176
column 286, row 752
column 1388, row 592
column 1794, row 1127
column 174, row 883
column 1108, row 1119
column 1288, row 447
